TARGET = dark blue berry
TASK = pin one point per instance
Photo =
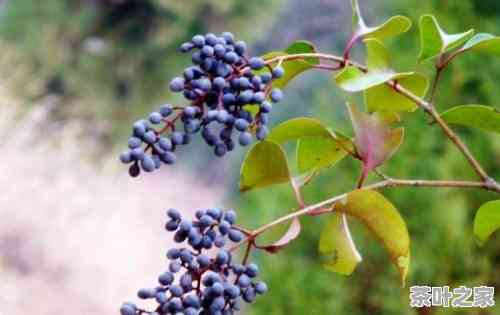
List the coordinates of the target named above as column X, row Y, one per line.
column 161, row 297
column 219, row 241
column 240, row 48
column 177, row 138
column 186, row 47
column 278, row 72
column 235, row 235
column 249, row 295
column 261, row 133
column 198, row 40
column 276, row 95
column 137, row 154
column 256, row 63
column 241, row 124
column 155, row 117
column 220, row 149
column 203, row 260
column 173, row 253
column 176, row 290
column 224, row 227
column 266, row 107
column 134, row 170
column 148, row 164
column 126, row 157
column 128, row 309
column 230, row 216
column 165, row 144
column 146, row 293
column 177, row 84
column 245, row 138
column 231, row 57
column 219, row 83
column 191, row 300
column 259, row 97
column 174, row 266
column 222, row 257
column 173, row 214
column 243, row 281
column 166, row 278
column 168, row 158
column 229, row 37
column 134, row 142
column 252, row 270
column 261, row 287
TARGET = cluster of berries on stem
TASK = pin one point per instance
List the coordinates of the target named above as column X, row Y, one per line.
column 202, row 277
column 230, row 97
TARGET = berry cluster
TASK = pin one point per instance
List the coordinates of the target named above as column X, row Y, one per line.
column 197, row 282
column 220, row 86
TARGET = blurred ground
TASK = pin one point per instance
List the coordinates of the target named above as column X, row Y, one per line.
column 74, row 238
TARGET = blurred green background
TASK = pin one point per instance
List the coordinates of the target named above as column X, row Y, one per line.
column 107, row 62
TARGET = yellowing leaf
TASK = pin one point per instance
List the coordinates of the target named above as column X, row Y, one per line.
column 384, row 221
column 337, row 247
column 375, row 141
column 477, row 116
column 487, row 220
column 435, row 41
column 316, row 153
column 265, row 164
column 291, row 234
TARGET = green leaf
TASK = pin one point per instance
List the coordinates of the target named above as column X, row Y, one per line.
column 379, row 72
column 377, row 55
column 298, row 128
column 375, row 141
column 393, row 26
column 265, row 164
column 477, row 116
column 434, row 41
column 337, row 247
column 352, row 79
column 296, row 66
column 252, row 109
column 487, row 220
column 303, row 47
column 385, row 98
column 384, row 221
column 483, row 42
column 317, row 153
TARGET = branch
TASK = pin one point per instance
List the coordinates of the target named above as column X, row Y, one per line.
column 426, row 106
column 435, row 83
column 326, row 206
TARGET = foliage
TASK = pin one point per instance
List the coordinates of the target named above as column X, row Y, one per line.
column 439, row 236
